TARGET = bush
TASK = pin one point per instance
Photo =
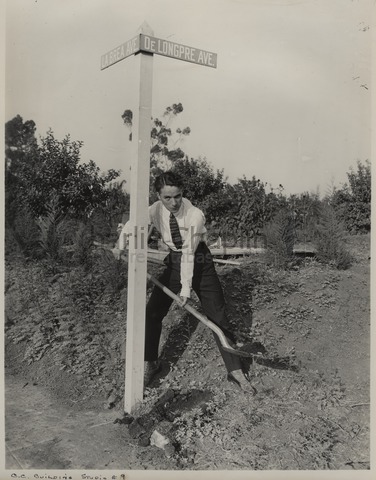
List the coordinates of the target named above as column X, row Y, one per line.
column 23, row 236
column 352, row 202
column 51, row 235
column 279, row 235
column 82, row 246
column 329, row 240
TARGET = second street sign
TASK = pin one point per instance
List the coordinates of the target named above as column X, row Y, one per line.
column 146, row 43
column 119, row 53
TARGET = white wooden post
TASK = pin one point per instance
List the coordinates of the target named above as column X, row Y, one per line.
column 144, row 45
column 139, row 202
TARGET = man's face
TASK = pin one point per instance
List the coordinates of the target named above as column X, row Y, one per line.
column 171, row 197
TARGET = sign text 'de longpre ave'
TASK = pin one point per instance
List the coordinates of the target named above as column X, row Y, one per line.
column 119, row 53
column 176, row 50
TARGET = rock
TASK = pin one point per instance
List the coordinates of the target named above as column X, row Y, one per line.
column 136, row 430
column 144, row 441
column 111, row 401
column 170, row 450
column 126, row 419
column 159, row 440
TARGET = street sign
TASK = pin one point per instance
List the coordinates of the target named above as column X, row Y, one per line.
column 119, row 53
column 176, row 50
column 147, row 43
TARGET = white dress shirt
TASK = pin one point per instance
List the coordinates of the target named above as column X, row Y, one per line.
column 191, row 221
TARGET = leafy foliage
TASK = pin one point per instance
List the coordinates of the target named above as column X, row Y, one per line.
column 19, row 137
column 80, row 187
column 82, row 250
column 280, row 238
column 51, row 232
column 352, row 202
column 329, row 240
column 20, row 158
column 200, row 179
column 51, row 175
column 70, row 313
column 164, row 151
column 239, row 212
column 37, row 173
column 23, row 236
column 306, row 209
column 108, row 215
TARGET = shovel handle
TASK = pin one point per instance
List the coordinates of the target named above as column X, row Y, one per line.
column 222, row 338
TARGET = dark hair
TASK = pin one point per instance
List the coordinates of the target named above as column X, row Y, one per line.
column 167, row 178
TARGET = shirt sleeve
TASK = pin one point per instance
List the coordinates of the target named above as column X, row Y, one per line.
column 194, row 234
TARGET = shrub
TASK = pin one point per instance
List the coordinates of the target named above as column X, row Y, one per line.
column 279, row 235
column 51, row 232
column 329, row 240
column 353, row 202
column 23, row 235
column 82, row 246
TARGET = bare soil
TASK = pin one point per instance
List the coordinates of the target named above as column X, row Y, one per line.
column 311, row 412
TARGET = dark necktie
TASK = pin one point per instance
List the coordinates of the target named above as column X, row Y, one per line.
column 175, row 232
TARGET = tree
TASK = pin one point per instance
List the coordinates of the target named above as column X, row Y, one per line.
column 20, row 157
column 109, row 214
column 164, row 150
column 254, row 207
column 37, row 173
column 352, row 202
column 80, row 186
column 306, row 209
column 19, row 138
column 200, row 179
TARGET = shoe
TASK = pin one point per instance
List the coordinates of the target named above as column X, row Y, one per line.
column 150, row 370
column 241, row 381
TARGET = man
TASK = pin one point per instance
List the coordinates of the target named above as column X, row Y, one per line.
column 189, row 265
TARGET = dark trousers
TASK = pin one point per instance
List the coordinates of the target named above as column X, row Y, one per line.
column 206, row 284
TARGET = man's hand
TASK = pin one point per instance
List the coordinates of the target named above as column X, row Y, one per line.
column 183, row 301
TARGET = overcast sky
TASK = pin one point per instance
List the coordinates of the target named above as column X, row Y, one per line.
column 289, row 101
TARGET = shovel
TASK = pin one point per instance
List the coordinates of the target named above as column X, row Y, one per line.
column 277, row 362
column 222, row 338
column 202, row 318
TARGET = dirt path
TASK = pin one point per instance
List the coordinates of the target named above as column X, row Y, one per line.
column 41, row 433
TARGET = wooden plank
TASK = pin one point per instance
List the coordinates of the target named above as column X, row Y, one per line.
column 235, row 251
column 232, row 251
column 137, row 257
